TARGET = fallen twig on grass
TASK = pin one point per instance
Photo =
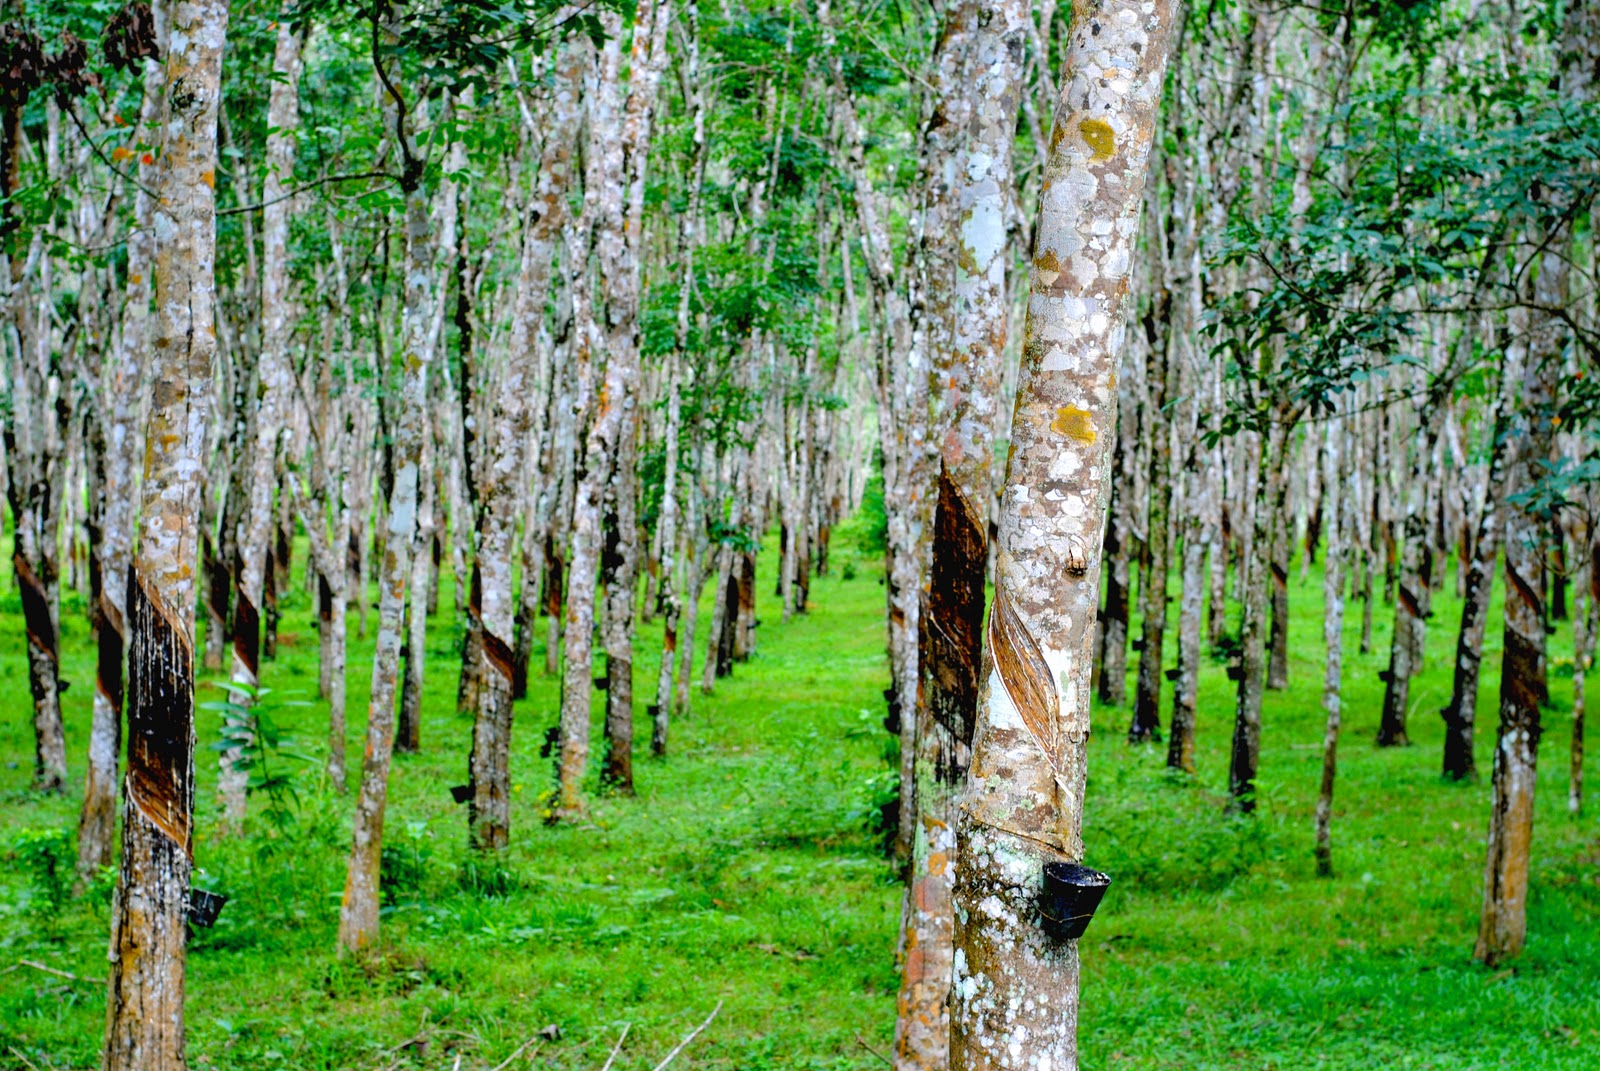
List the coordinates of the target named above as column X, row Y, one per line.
column 68, row 975
column 503, row 1064
column 691, row 1036
column 863, row 1043
column 616, row 1048
column 30, row 1064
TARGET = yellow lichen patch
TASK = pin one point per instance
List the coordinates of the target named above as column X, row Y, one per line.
column 1074, row 423
column 1100, row 138
column 210, row 179
column 937, row 862
column 1047, row 261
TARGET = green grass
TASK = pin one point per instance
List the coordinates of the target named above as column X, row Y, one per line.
column 745, row 872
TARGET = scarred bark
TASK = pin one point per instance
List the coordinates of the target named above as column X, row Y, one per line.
column 145, row 1014
column 1268, row 494
column 32, row 435
column 501, row 476
column 618, row 153
column 1015, row 999
column 966, row 390
column 122, row 380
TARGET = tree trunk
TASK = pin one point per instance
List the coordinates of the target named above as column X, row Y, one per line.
column 618, row 570
column 661, row 712
column 1414, row 593
column 1333, row 480
column 502, row 476
column 258, row 528
column 122, row 385
column 358, row 915
column 1146, row 723
column 1460, row 716
column 980, row 56
column 1116, row 552
column 1015, row 994
column 33, row 449
column 1269, row 492
column 145, row 1014
column 408, row 732
column 1503, row 926
column 1586, row 594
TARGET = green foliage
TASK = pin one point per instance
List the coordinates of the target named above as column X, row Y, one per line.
column 45, row 859
column 868, row 531
column 264, row 749
column 406, row 864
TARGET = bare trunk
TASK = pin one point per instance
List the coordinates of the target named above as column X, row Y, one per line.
column 257, row 527
column 1116, row 551
column 1269, row 493
column 414, row 652
column 122, row 384
column 1460, row 716
column 1015, row 993
column 1333, row 480
column 1586, row 595
column 982, row 48
column 618, row 568
column 145, row 1013
column 358, row 915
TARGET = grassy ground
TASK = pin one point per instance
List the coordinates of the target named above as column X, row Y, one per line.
column 744, row 872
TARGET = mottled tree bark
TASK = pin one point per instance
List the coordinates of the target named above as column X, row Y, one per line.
column 1015, row 994
column 618, row 152
column 122, row 381
column 1270, row 490
column 33, row 451
column 1117, row 554
column 980, row 56
column 501, row 476
column 1503, row 925
column 618, row 570
column 1586, row 595
column 414, row 649
column 358, row 914
column 1460, row 716
column 256, row 522
column 145, row 1014
column 1146, row 721
column 1333, row 480
column 1413, row 595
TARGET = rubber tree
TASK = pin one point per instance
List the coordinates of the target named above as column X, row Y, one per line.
column 965, row 391
column 121, row 383
column 144, row 1015
column 275, row 392
column 358, row 913
column 489, row 811
column 1015, row 992
column 1503, row 923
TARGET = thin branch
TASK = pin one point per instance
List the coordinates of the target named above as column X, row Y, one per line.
column 68, row 975
column 691, row 1036
column 73, row 112
column 863, row 1043
column 503, row 1064
column 29, row 1063
column 617, row 1047
column 357, row 177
